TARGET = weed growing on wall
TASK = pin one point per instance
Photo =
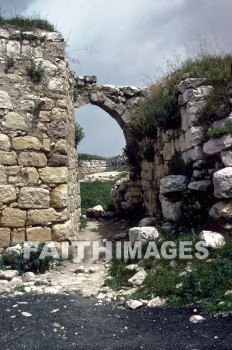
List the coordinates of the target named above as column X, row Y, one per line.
column 79, row 134
column 214, row 133
column 9, row 64
column 27, row 23
column 36, row 71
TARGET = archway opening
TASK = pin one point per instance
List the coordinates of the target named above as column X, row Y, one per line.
column 98, row 157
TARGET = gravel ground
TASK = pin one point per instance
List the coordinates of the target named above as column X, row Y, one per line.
column 67, row 322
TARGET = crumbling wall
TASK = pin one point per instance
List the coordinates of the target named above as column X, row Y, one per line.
column 38, row 171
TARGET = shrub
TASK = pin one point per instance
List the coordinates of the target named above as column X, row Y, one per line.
column 218, row 132
column 79, row 134
column 178, row 167
column 34, row 264
column 86, row 156
column 35, row 71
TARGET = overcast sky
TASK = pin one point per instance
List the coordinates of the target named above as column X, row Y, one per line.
column 123, row 42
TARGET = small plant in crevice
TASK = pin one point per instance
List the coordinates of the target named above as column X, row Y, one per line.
column 74, row 95
column 147, row 149
column 27, row 23
column 177, row 166
column 36, row 71
column 9, row 64
column 214, row 133
column 83, row 222
column 196, row 205
column 79, row 134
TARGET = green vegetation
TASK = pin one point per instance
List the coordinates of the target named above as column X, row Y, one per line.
column 96, row 193
column 191, row 282
column 178, row 167
column 86, row 156
column 79, row 134
column 34, row 264
column 27, row 23
column 83, row 222
column 35, row 71
column 218, row 132
column 74, row 94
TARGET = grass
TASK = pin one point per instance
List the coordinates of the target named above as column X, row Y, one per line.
column 27, row 23
column 214, row 133
column 96, row 193
column 206, row 284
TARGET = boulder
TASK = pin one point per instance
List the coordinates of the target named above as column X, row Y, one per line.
column 138, row 278
column 222, row 181
column 202, row 185
column 226, row 158
column 156, row 302
column 173, row 183
column 212, row 239
column 143, row 234
column 214, row 146
column 134, row 304
column 147, row 222
column 8, row 274
column 221, row 210
column 28, row 277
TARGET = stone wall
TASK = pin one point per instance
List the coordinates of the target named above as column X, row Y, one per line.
column 92, row 166
column 38, row 171
column 207, row 164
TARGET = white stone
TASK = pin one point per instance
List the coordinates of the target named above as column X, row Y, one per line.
column 171, row 211
column 28, row 276
column 196, row 319
column 156, row 302
column 14, row 121
column 138, row 278
column 202, row 185
column 5, row 101
column 134, row 304
column 51, row 290
column 143, row 234
column 50, row 68
column 221, row 210
column 8, row 274
column 214, row 146
column 4, row 142
column 212, row 239
column 222, row 181
column 132, row 267
column 226, row 158
column 173, row 183
column 193, row 137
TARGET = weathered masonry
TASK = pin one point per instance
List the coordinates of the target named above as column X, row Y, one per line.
column 39, row 189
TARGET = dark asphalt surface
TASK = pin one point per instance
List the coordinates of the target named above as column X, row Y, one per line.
column 80, row 324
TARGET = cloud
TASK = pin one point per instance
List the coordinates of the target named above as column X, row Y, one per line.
column 122, row 42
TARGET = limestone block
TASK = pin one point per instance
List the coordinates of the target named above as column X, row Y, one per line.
column 195, row 153
column 202, row 185
column 61, row 232
column 14, row 121
column 32, row 197
column 138, row 279
column 32, row 159
column 59, row 196
column 171, row 211
column 58, row 160
column 3, row 177
column 18, row 236
column 8, row 158
column 30, row 176
column 28, row 106
column 143, row 234
column 13, row 48
column 4, row 142
column 49, row 175
column 221, row 210
column 48, row 105
column 189, row 114
column 212, row 239
column 173, row 183
column 214, row 146
column 49, row 67
column 4, row 237
column 221, row 123
column 5, row 101
column 195, row 95
column 54, row 36
column 222, row 181
column 43, row 216
column 26, row 142
column 226, row 158
column 56, row 85
column 7, row 194
column 189, row 83
column 193, row 137
column 40, row 234
column 149, row 221
column 12, row 217
column 4, row 33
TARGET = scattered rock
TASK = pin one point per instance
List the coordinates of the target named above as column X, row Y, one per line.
column 26, row 314
column 8, row 275
column 222, row 181
column 143, row 234
column 212, row 239
column 28, row 276
column 196, row 319
column 134, row 304
column 156, row 302
column 173, row 183
column 150, row 221
column 138, row 278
